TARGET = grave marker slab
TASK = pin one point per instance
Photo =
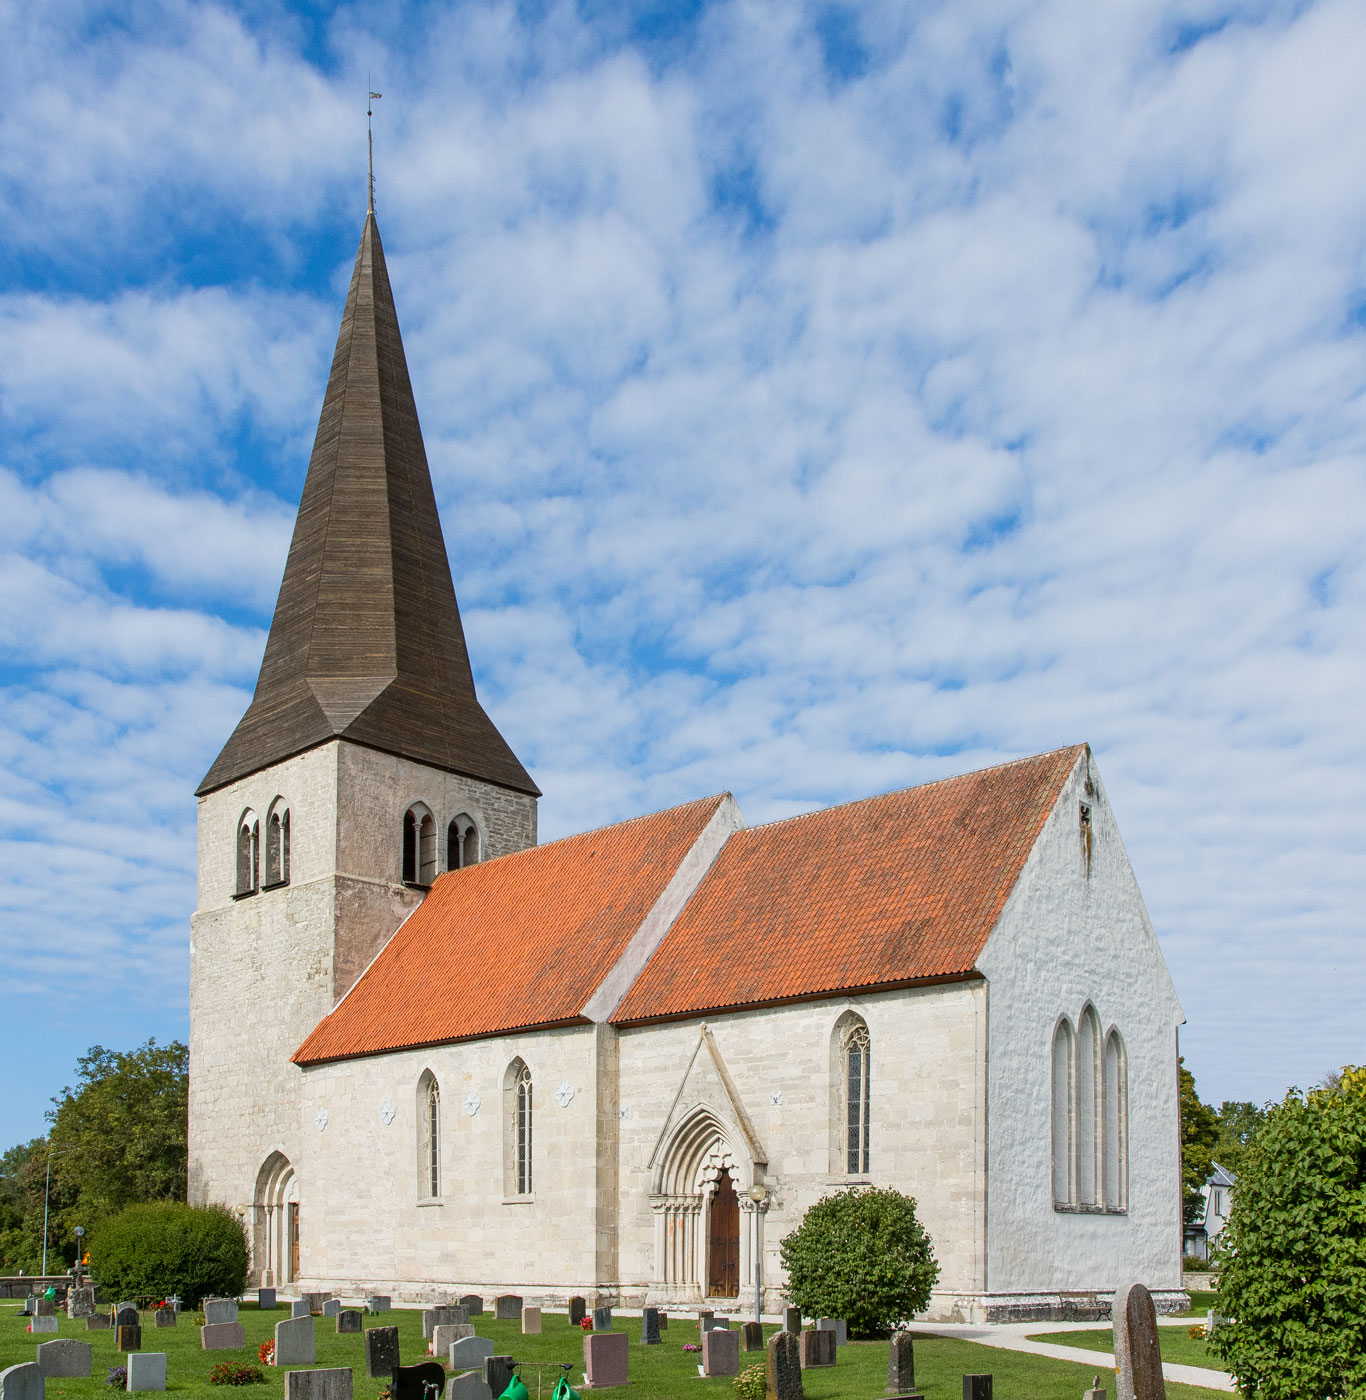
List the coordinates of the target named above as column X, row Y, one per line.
column 473, row 1305
column 446, row 1333
column 331, row 1383
column 165, row 1317
column 901, row 1364
column 417, row 1382
column 45, row 1307
column 381, row 1352
column 128, row 1338
column 784, row 1367
column 578, row 1310
column 22, row 1382
column 711, row 1323
column 792, row 1320
column 125, row 1315
column 754, row 1336
column 531, row 1321
column 976, row 1388
column 1097, row 1391
column 663, row 1320
column 65, row 1358
column 265, row 1298
column 498, row 1372
column 315, row 1301
column 349, row 1320
column 838, row 1326
column 468, row 1385
column 299, row 1308
column 817, row 1348
column 606, row 1358
column 80, row 1302
column 295, row 1344
column 445, row 1316
column 146, row 1370
column 98, row 1323
column 469, row 1354
column 720, row 1352
column 219, row 1310
column 331, row 1307
column 222, row 1336
column 377, row 1303
column 507, row 1307
column 1138, row 1361
column 649, row 1327
column 602, row 1319
column 42, row 1324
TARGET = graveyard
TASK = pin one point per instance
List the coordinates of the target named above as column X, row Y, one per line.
column 659, row 1372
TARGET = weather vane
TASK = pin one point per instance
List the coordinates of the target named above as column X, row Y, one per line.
column 370, row 140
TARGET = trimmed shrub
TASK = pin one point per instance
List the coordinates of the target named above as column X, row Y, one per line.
column 751, row 1383
column 235, row 1373
column 861, row 1255
column 164, row 1248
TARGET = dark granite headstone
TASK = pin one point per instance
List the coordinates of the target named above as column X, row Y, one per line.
column 792, row 1320
column 497, row 1373
column 578, row 1310
column 976, row 1388
column 349, row 1320
column 125, row 1315
column 1138, row 1361
column 64, row 1359
column 128, row 1338
column 602, row 1319
column 425, row 1381
column 165, row 1317
column 265, row 1298
column 754, row 1336
column 663, row 1320
column 507, row 1307
column 381, row 1352
column 901, row 1364
column 817, row 1348
column 222, row 1336
column 784, row 1367
column 473, row 1305
column 649, row 1327
column 45, row 1308
column 703, row 1316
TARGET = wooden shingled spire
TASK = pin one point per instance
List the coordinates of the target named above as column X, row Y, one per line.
column 366, row 643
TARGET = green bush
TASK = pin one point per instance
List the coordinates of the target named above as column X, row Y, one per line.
column 752, row 1383
column 1293, row 1256
column 164, row 1248
column 861, row 1255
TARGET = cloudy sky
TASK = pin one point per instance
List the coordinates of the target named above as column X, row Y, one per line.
column 821, row 398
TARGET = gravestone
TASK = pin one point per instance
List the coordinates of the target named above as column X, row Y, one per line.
column 97, row 1323
column 469, row 1354
column 792, row 1320
column 381, row 1352
column 22, row 1382
column 817, row 1348
column 299, row 1308
column 578, row 1310
column 377, row 1303
column 606, row 1358
column 265, row 1298
column 507, row 1307
column 333, row 1383
column 720, row 1352
column 602, row 1319
column 901, row 1364
column 663, row 1320
column 784, row 1367
column 838, row 1326
column 65, row 1358
column 425, row 1381
column 222, row 1336
column 754, row 1336
column 315, row 1301
column 349, row 1320
column 30, row 1307
column 447, row 1315
column 45, row 1307
column 649, row 1327
column 473, row 1305
column 468, row 1385
column 80, row 1302
column 1097, row 1391
column 165, row 1317
column 128, row 1338
column 331, row 1307
column 447, row 1332
column 1138, row 1361
column 713, row 1323
column 42, row 1324
column 531, row 1321
column 976, row 1388
column 497, row 1373
column 146, row 1370
column 125, row 1315
column 219, row 1310
column 294, row 1342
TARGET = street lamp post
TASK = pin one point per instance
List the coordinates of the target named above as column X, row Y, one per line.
column 757, row 1194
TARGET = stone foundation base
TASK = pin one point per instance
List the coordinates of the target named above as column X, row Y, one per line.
column 1081, row 1306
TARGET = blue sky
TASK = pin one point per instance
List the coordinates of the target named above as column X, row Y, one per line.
column 820, row 399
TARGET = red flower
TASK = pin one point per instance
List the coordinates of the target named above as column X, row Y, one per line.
column 586, row 1323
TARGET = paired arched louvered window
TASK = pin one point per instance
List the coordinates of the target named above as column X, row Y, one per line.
column 248, row 853
column 277, row 844
column 419, row 846
column 462, row 843
column 518, row 1111
column 429, row 1136
column 1090, row 1116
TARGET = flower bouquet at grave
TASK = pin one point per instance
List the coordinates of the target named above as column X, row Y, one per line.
column 117, row 1379
column 586, row 1323
column 266, row 1354
column 235, row 1373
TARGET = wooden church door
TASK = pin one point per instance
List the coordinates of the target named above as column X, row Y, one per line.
column 723, row 1240
column 293, row 1240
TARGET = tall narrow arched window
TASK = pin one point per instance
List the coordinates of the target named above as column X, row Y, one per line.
column 248, row 853
column 1115, row 1155
column 1063, row 1181
column 524, row 1132
column 517, row 1129
column 277, row 844
column 419, row 846
column 428, row 1136
column 857, row 1089
column 462, row 843
column 410, row 847
column 1088, row 1114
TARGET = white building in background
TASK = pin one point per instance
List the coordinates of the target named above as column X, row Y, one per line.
column 429, row 1056
column 1217, row 1196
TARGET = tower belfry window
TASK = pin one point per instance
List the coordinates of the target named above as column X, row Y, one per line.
column 248, row 854
column 419, row 846
column 462, row 843
column 277, row 845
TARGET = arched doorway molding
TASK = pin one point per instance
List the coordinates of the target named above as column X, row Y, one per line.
column 275, row 1220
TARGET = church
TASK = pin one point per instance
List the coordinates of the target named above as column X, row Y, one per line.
column 430, row 1056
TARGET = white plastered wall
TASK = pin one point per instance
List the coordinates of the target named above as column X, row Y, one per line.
column 1065, row 939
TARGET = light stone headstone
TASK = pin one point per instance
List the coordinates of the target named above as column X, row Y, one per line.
column 377, row 1303
column 720, row 1352
column 649, row 1327
column 22, row 1382
column 507, row 1307
column 578, row 1310
column 332, row 1383
column 146, row 1370
column 222, row 1336
column 447, row 1332
column 65, row 1358
column 381, row 1352
column 349, row 1320
column 784, row 1367
column 219, row 1310
column 265, row 1298
column 294, row 1342
column 470, row 1353
column 1138, row 1359
column 473, row 1305
column 80, row 1302
column 606, row 1358
column 602, row 1319
column 42, row 1324
column 97, row 1323
column 45, row 1307
column 299, row 1308
column 445, row 1316
column 531, row 1321
column 468, row 1385
column 331, row 1307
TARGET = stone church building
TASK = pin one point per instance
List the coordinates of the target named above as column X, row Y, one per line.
column 430, row 1056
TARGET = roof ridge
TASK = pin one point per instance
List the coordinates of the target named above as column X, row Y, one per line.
column 913, row 787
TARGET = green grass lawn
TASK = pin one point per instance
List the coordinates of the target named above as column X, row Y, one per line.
column 657, row 1373
column 1176, row 1346
column 1201, row 1302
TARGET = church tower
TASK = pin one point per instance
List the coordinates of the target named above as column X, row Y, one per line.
column 363, row 767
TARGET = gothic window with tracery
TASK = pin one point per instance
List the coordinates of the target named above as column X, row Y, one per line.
column 857, row 1093
column 524, row 1132
column 429, row 1136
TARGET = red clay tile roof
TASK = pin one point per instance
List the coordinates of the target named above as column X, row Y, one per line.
column 515, row 942
column 889, row 890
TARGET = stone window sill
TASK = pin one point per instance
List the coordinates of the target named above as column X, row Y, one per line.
column 415, row 885
column 528, row 1200
column 274, row 885
column 429, row 1202
column 244, row 894
column 1062, row 1209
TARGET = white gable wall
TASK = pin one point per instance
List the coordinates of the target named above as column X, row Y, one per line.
column 1065, row 939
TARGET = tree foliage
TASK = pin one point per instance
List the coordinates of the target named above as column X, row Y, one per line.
column 861, row 1255
column 1239, row 1123
column 1199, row 1133
column 167, row 1247
column 1294, row 1276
